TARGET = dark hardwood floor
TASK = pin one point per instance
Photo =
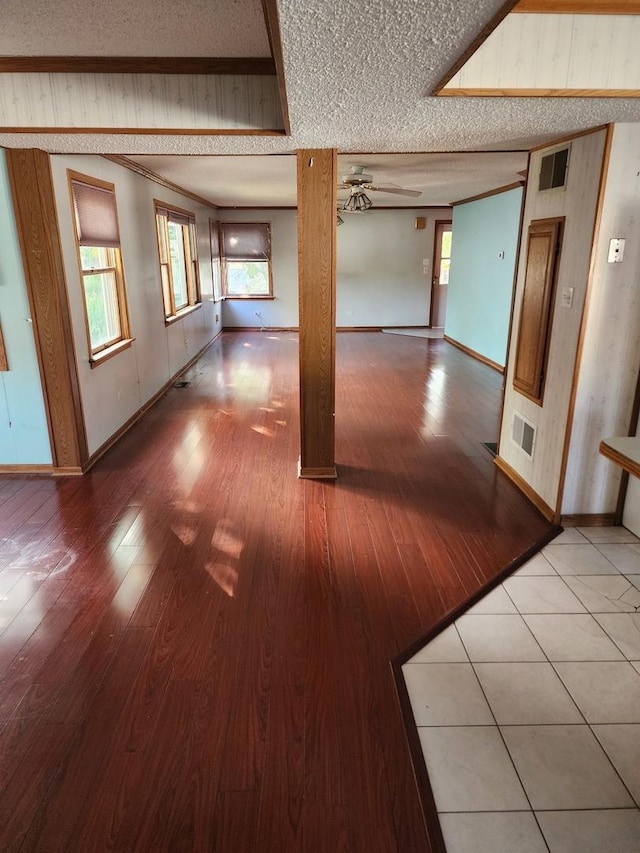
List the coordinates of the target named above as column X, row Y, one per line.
column 195, row 644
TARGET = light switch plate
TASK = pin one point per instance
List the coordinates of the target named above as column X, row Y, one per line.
column 567, row 297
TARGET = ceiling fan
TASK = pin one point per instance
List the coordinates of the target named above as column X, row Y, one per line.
column 359, row 181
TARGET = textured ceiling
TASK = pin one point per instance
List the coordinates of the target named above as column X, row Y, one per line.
column 358, row 77
column 141, row 28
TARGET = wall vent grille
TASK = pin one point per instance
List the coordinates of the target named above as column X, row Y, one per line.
column 523, row 433
column 553, row 170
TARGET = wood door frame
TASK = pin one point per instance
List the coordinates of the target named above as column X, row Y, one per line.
column 437, row 253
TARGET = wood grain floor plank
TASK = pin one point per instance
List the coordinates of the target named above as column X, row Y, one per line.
column 197, row 644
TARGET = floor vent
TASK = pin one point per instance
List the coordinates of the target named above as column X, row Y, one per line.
column 524, row 434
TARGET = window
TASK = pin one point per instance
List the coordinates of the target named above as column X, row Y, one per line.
column 177, row 247
column 246, row 260
column 99, row 257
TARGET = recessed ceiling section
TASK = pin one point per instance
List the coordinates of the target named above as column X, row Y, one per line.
column 533, row 54
column 270, row 181
column 147, row 67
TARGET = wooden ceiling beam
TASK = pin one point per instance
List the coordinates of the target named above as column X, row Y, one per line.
column 263, row 66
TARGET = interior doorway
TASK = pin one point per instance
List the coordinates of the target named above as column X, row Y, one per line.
column 440, row 278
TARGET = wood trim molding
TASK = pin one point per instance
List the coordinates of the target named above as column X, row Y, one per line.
column 126, row 163
column 525, row 488
column 4, row 364
column 37, row 222
column 254, row 66
column 40, row 470
column 602, row 519
column 523, row 200
column 514, row 186
column 478, row 41
column 625, row 462
column 119, row 433
column 560, row 140
column 317, row 183
column 272, row 21
column 539, row 93
column 597, row 219
column 578, row 7
column 633, row 429
column 154, row 131
column 329, row 473
column 478, row 356
column 362, row 328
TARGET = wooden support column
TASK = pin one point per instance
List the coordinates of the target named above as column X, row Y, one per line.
column 37, row 223
column 317, row 207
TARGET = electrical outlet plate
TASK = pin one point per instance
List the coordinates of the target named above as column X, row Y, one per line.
column 616, row 250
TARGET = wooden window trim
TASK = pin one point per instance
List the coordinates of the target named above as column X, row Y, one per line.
column 533, row 389
column 223, row 265
column 99, row 354
column 109, row 352
column 162, row 212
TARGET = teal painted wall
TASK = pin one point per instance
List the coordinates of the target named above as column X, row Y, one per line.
column 24, row 436
column 481, row 283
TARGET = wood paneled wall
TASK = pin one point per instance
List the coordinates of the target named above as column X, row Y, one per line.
column 577, row 203
column 317, row 204
column 37, row 223
column 610, row 358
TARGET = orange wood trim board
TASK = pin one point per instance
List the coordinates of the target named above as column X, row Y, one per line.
column 578, row 7
column 625, row 462
column 4, row 364
column 256, row 66
column 525, row 488
column 514, row 186
column 538, row 93
column 478, row 356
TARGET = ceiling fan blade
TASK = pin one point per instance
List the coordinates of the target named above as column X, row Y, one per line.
column 396, row 190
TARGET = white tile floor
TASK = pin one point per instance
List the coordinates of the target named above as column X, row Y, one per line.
column 528, row 706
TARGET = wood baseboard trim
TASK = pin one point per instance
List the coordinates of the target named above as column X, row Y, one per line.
column 260, row 329
column 329, row 473
column 596, row 519
column 48, row 469
column 429, row 810
column 359, row 328
column 478, row 356
column 119, row 433
column 525, row 488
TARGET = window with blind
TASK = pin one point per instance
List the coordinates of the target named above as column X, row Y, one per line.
column 100, row 261
column 246, row 260
column 177, row 249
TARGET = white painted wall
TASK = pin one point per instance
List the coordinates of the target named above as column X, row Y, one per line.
column 380, row 277
column 283, row 309
column 115, row 390
column 611, row 353
column 578, row 203
column 381, row 280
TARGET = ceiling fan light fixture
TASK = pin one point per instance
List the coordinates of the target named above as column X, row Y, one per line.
column 357, row 202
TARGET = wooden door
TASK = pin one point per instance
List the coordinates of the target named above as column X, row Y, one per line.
column 440, row 280
column 538, row 298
